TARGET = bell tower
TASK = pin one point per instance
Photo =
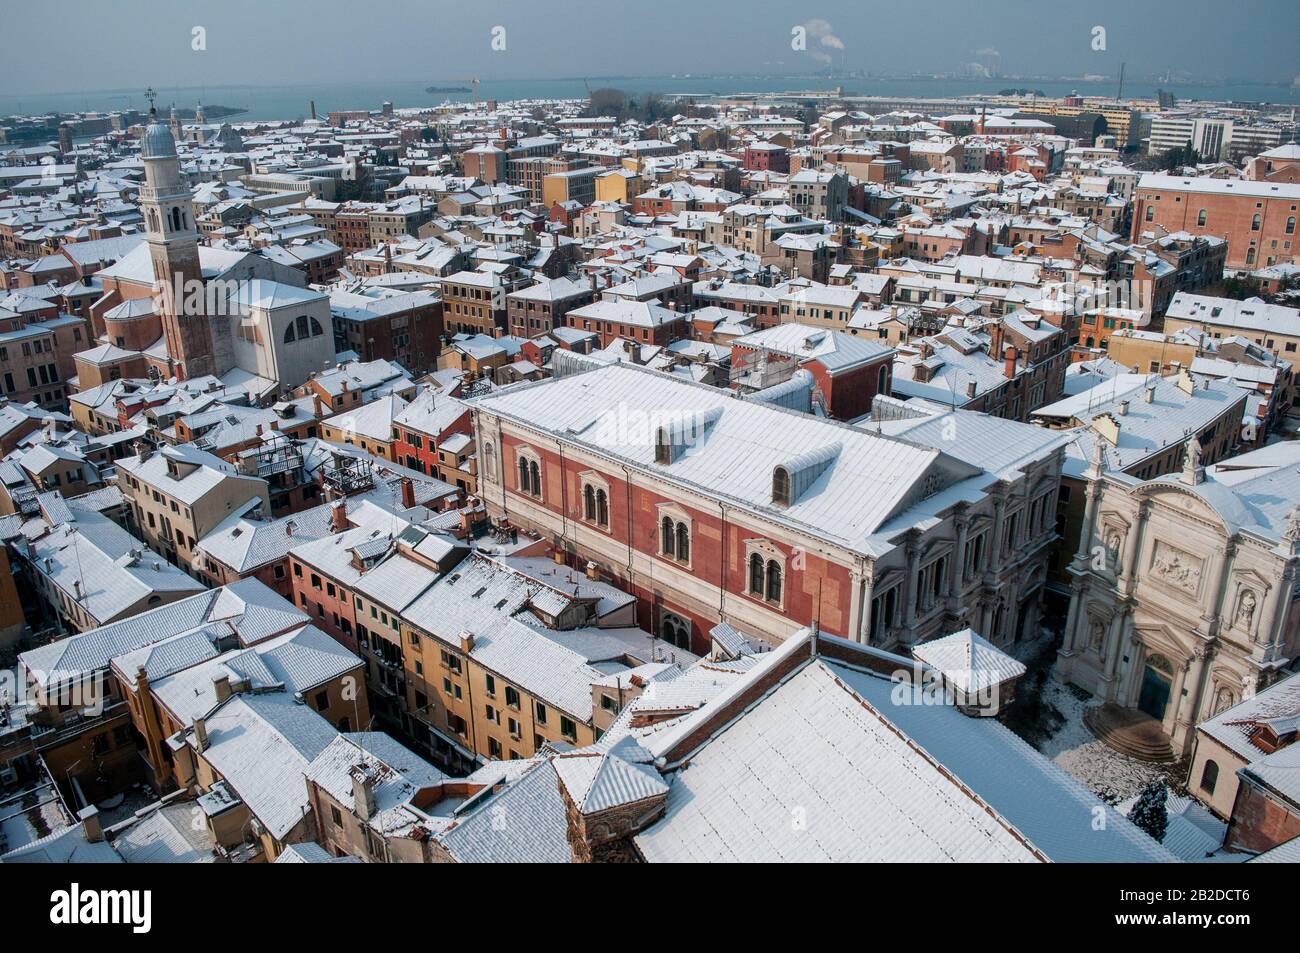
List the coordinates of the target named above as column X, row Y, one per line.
column 174, row 249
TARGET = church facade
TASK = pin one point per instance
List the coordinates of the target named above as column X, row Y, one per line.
column 1184, row 587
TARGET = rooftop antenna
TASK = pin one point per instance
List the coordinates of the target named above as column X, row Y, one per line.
column 150, row 95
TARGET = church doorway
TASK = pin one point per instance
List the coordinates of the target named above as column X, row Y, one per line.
column 1157, row 678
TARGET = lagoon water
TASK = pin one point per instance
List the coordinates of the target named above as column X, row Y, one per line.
column 292, row 102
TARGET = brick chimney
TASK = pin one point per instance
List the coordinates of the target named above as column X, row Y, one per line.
column 593, row 571
column 408, row 493
column 467, row 642
column 91, row 824
column 1009, row 361
column 221, row 687
column 201, row 734
column 363, row 791
column 339, row 516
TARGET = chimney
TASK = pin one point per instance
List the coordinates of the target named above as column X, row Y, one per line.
column 221, row 687
column 339, row 516
column 317, row 407
column 201, row 734
column 593, row 571
column 558, row 556
column 408, row 493
column 363, row 792
column 288, row 527
column 467, row 642
column 91, row 824
column 258, row 430
column 1009, row 361
column 1123, row 408
column 971, row 388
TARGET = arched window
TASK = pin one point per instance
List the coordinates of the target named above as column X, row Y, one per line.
column 675, row 630
column 523, row 474
column 666, row 537
column 882, row 380
column 1290, row 225
column 781, row 486
column 683, row 543
column 1209, row 777
column 1250, row 256
column 535, row 475
column 304, row 330
column 602, row 508
column 756, row 575
column 316, row 329
column 176, row 219
column 1201, row 217
column 773, row 581
column 588, row 502
column 1255, row 222
column 289, row 336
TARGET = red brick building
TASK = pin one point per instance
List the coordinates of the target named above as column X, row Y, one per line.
column 708, row 508
column 1257, row 219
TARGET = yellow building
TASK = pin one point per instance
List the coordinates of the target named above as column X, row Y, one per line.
column 619, row 185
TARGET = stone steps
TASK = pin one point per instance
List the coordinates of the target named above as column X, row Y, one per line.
column 1130, row 732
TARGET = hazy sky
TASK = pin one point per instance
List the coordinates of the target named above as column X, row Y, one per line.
column 74, row 45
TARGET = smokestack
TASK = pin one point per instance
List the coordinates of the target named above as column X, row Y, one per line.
column 1009, row 359
column 408, row 493
column 339, row 516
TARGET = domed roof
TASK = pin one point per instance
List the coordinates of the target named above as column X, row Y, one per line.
column 157, row 142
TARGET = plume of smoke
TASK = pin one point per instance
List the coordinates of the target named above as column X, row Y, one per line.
column 821, row 31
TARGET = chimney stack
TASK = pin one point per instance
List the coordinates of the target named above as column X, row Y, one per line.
column 363, row 791
column 408, row 493
column 201, row 734
column 91, row 824
column 339, row 516
column 467, row 642
column 317, row 406
column 221, row 687
column 1009, row 361
column 593, row 571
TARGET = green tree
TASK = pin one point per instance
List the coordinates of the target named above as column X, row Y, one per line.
column 1151, row 813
